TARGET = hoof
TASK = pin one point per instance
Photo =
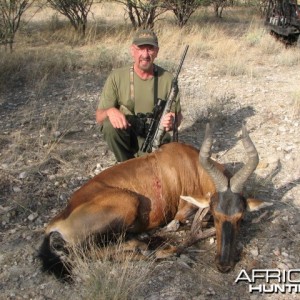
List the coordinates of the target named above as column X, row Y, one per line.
column 172, row 226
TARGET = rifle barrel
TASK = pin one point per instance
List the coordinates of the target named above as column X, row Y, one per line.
column 181, row 61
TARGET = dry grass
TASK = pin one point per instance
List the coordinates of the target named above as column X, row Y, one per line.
column 47, row 48
column 111, row 272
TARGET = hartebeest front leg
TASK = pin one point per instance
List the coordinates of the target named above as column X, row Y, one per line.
column 185, row 211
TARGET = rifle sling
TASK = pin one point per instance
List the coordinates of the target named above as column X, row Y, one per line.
column 175, row 128
column 132, row 95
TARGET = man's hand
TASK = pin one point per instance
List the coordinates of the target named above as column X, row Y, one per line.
column 117, row 119
column 168, row 121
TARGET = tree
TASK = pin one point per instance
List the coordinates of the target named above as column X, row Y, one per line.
column 75, row 10
column 219, row 5
column 182, row 9
column 143, row 13
column 10, row 17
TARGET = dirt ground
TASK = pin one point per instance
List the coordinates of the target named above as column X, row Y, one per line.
column 50, row 145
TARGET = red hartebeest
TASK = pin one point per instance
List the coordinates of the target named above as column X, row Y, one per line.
column 146, row 192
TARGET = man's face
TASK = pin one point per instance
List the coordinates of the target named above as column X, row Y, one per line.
column 144, row 56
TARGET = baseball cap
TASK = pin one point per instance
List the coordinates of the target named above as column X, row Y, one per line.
column 145, row 37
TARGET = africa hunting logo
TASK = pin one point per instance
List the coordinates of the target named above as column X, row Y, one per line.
column 269, row 281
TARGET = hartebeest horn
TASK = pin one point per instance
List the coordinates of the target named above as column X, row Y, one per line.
column 219, row 179
column 238, row 180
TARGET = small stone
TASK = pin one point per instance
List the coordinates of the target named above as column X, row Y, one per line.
column 254, row 252
column 16, row 189
column 57, row 134
column 22, row 175
column 4, row 166
column 32, row 216
column 277, row 251
column 210, row 292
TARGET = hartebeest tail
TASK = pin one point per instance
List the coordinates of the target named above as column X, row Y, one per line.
column 51, row 254
column 150, row 191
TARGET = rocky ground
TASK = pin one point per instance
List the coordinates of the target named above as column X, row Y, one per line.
column 50, row 145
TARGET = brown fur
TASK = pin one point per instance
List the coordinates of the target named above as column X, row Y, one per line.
column 139, row 194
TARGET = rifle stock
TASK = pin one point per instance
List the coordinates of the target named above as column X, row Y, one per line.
column 157, row 112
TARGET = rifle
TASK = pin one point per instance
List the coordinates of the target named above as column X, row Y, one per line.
column 156, row 130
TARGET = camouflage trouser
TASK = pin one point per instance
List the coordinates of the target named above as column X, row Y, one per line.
column 124, row 143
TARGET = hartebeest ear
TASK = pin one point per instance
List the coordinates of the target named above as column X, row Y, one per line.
column 255, row 204
column 201, row 202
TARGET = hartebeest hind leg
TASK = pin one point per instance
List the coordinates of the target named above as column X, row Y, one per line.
column 114, row 214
